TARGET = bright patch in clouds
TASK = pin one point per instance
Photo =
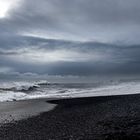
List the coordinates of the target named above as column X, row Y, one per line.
column 40, row 56
column 6, row 5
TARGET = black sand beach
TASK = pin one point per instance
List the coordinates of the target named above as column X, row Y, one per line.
column 103, row 118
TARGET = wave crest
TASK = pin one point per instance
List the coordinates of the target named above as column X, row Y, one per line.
column 22, row 86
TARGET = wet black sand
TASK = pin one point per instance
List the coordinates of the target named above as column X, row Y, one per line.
column 105, row 118
column 11, row 111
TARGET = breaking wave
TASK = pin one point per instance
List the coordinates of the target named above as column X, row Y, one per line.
column 22, row 86
column 43, row 89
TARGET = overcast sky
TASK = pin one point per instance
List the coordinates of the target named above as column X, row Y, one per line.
column 69, row 37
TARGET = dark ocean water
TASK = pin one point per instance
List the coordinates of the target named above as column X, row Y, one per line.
column 23, row 90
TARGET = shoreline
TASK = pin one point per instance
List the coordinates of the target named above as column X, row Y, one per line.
column 11, row 111
column 106, row 117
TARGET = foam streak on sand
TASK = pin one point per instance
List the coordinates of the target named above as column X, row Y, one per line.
column 36, row 90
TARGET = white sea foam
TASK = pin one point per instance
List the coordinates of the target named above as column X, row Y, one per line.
column 18, row 86
column 66, row 92
column 11, row 96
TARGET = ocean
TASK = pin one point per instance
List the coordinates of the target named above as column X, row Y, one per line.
column 25, row 90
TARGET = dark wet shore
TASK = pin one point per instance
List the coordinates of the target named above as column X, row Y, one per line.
column 105, row 118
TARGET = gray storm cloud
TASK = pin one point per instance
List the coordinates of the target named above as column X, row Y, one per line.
column 110, row 20
column 76, row 37
column 70, row 58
